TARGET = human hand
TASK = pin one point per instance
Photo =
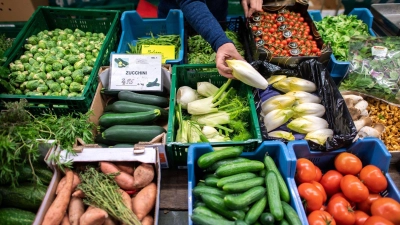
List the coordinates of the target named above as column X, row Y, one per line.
column 251, row 6
column 226, row 51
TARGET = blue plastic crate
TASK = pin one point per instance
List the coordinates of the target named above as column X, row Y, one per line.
column 285, row 161
column 371, row 151
column 338, row 69
column 134, row 27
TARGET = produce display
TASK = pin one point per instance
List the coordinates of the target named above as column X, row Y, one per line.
column 55, row 63
column 5, row 43
column 283, row 34
column 237, row 190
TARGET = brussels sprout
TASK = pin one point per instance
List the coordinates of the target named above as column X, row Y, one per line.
column 49, row 76
column 95, row 34
column 68, row 80
column 33, row 40
column 56, row 94
column 79, row 32
column 87, row 70
column 18, row 61
column 32, row 61
column 41, row 81
column 82, row 50
column 50, row 33
column 18, row 92
column 64, row 63
column 36, row 55
column 55, row 87
column 51, row 44
column 91, row 62
column 53, row 52
column 65, row 73
column 28, row 46
column 32, row 84
column 66, row 52
column 65, row 45
column 40, row 59
column 73, row 94
column 48, row 93
column 101, row 35
column 60, row 55
column 26, row 91
column 98, row 46
column 77, row 73
column 46, row 37
column 22, row 87
column 64, row 92
column 55, row 74
column 60, row 80
column 45, row 51
column 88, row 34
column 54, row 38
column 70, row 68
column 36, row 65
column 73, row 59
column 24, row 58
column 95, row 52
column 16, row 67
column 80, row 64
column 75, row 87
column 48, row 69
column 42, row 44
column 68, row 31
column 34, row 93
column 40, row 76
column 78, row 79
column 89, row 57
column 50, row 59
column 20, row 78
column 57, row 66
column 82, row 55
column 42, row 88
column 71, row 38
column 30, row 77
column 85, row 79
column 27, row 66
column 81, row 43
column 64, row 86
column 42, row 67
column 89, row 48
column 72, row 45
column 74, row 51
column 49, row 82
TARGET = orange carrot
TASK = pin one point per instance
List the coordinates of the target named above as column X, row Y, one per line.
column 124, row 180
column 93, row 216
column 144, row 201
column 76, row 209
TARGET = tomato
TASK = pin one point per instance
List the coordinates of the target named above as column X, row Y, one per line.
column 361, row 217
column 274, row 26
column 331, row 182
column 323, row 208
column 312, row 196
column 257, row 39
column 320, row 218
column 284, row 42
column 377, row 220
column 314, row 49
column 318, row 172
column 341, row 211
column 318, row 53
column 353, row 188
column 305, row 169
column 365, row 205
column 373, row 178
column 321, row 189
column 388, row 208
column 340, row 194
column 254, row 28
column 265, row 37
column 347, row 163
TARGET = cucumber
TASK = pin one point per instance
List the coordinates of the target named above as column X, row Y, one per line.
column 240, row 222
column 143, row 99
column 217, row 164
column 198, row 203
column 263, row 172
column 274, row 200
column 123, row 146
column 257, row 223
column 267, row 219
column 290, row 214
column 283, row 189
column 244, row 199
column 242, row 186
column 14, row 216
column 201, row 184
column 216, row 204
column 239, row 167
column 211, row 181
column 132, row 133
column 131, row 107
column 25, row 197
column 45, row 175
column 203, row 210
column 111, row 119
column 200, row 219
column 208, row 159
column 284, row 222
column 256, row 210
column 235, row 178
column 199, row 190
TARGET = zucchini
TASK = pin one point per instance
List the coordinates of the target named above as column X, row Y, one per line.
column 208, row 159
column 199, row 190
column 244, row 185
column 101, row 141
column 216, row 204
column 200, row 219
column 45, row 175
column 283, row 189
column 14, row 216
column 131, row 107
column 217, row 164
column 211, row 181
column 255, row 211
column 290, row 214
column 111, row 119
column 239, row 167
column 25, row 197
column 274, row 200
column 132, row 133
column 203, row 210
column 244, row 199
column 143, row 99
column 235, row 178
column 267, row 219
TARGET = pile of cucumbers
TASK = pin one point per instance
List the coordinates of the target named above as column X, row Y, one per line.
column 240, row 191
column 131, row 119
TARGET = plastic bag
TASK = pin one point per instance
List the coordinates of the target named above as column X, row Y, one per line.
column 374, row 68
column 337, row 114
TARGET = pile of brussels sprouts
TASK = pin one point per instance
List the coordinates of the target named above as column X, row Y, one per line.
column 56, row 63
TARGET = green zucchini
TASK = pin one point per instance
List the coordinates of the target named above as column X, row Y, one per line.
column 255, row 211
column 199, row 190
column 45, row 175
column 217, row 204
column 143, row 99
column 203, row 210
column 242, row 186
column 200, row 219
column 283, row 189
column 103, row 142
column 219, row 163
column 235, row 178
column 131, row 107
column 290, row 214
column 132, row 133
column 239, row 167
column 25, row 196
column 274, row 200
column 139, row 118
column 244, row 199
column 208, row 159
column 211, row 181
column 14, row 216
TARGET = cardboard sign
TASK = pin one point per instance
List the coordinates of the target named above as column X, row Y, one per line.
column 167, row 51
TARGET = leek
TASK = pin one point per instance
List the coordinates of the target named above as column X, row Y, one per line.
column 276, row 118
column 275, row 78
column 281, row 134
column 294, row 84
column 206, row 89
column 312, row 109
column 307, row 124
column 319, row 136
column 277, row 102
column 244, row 72
column 304, row 97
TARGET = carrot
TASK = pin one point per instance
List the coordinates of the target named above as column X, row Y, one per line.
column 93, row 216
column 144, row 201
column 78, row 193
column 144, row 175
column 127, row 167
column 147, row 220
column 74, row 184
column 65, row 220
column 76, row 210
column 126, row 199
column 124, row 180
column 55, row 213
column 109, row 221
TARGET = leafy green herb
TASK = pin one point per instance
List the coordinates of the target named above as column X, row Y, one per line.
column 5, row 43
column 171, row 39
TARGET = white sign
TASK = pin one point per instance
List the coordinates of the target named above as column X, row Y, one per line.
column 135, row 72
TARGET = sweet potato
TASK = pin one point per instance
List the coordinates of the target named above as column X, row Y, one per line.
column 65, row 220
column 124, row 180
column 144, row 201
column 56, row 212
column 127, row 167
column 93, row 216
column 110, row 221
column 75, row 183
column 61, row 184
column 126, row 199
column 79, row 194
column 76, row 209
column 144, row 175
column 148, row 220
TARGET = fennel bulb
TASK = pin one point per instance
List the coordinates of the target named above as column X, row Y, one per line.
column 185, row 95
column 206, row 89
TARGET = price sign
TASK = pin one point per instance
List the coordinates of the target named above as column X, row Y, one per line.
column 135, row 72
column 167, row 51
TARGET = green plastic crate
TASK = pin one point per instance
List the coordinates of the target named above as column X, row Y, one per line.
column 120, row 7
column 189, row 75
column 11, row 29
column 50, row 18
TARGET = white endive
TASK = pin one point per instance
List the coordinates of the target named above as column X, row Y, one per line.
column 282, row 134
column 275, row 78
column 307, row 124
column 295, row 84
column 185, row 95
column 206, row 89
column 277, row 102
column 244, row 72
column 312, row 109
column 304, row 97
column 276, row 118
column 319, row 136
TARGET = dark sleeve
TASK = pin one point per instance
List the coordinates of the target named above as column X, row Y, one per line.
column 203, row 22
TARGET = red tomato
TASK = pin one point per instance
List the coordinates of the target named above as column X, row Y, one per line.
column 284, row 42
column 347, row 163
column 341, row 211
column 373, row 178
column 377, row 220
column 254, row 28
column 312, row 196
column 365, row 205
column 301, row 19
column 387, row 208
column 320, row 218
column 353, row 188
column 305, row 169
column 321, row 189
column 318, row 174
column 323, row 208
column 340, row 194
column 331, row 182
column 265, row 37
column 361, row 217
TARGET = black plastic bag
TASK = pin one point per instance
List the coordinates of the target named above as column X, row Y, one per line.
column 337, row 114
